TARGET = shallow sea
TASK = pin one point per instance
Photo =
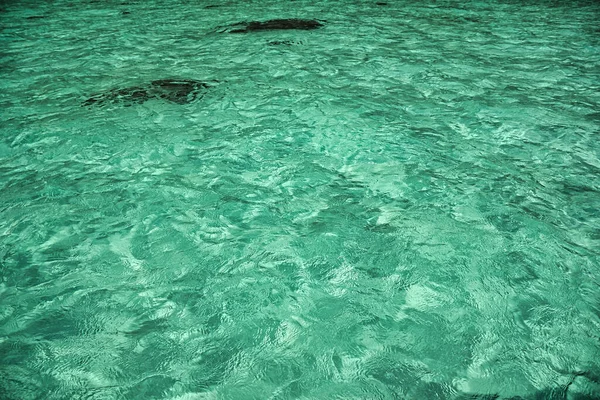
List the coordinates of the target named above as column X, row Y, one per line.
column 401, row 204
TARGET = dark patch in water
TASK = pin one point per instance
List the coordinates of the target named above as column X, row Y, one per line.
column 283, row 42
column 275, row 25
column 36, row 17
column 178, row 91
column 471, row 19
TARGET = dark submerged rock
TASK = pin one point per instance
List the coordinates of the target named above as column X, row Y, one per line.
column 178, row 91
column 275, row 25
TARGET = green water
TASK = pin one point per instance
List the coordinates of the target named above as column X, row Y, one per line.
column 403, row 204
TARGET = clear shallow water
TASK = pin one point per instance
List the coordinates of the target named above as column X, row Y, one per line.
column 402, row 204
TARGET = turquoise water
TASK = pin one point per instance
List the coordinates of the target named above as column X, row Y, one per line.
column 402, row 204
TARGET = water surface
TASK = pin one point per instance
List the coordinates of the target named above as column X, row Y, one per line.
column 402, row 204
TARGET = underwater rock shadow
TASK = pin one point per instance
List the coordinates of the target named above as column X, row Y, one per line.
column 273, row 25
column 178, row 91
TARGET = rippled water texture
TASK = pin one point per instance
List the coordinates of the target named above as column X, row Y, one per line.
column 403, row 203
